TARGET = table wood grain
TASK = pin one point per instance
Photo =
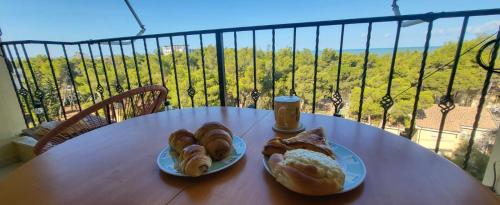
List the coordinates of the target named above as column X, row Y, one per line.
column 116, row 164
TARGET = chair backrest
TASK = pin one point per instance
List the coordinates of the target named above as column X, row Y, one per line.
column 129, row 104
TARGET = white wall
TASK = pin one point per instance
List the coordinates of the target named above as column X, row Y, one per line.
column 488, row 174
column 11, row 119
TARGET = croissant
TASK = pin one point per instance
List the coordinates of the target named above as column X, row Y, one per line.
column 180, row 139
column 314, row 140
column 275, row 145
column 194, row 160
column 216, row 138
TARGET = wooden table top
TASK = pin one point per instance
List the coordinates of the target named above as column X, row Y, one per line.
column 116, row 164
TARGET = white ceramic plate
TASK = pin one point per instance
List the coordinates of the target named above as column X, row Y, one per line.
column 354, row 168
column 167, row 159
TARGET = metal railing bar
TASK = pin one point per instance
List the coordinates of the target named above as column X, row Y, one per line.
column 337, row 98
column 203, row 69
column 175, row 72
column 363, row 76
column 100, row 89
column 191, row 91
column 255, row 92
column 136, row 65
column 273, row 61
column 387, row 100
column 315, row 70
column 147, row 61
column 38, row 93
column 160, row 63
column 221, row 70
column 55, row 80
column 13, row 63
column 124, row 64
column 86, row 73
column 10, row 68
column 71, row 77
column 118, row 86
column 29, row 93
column 104, row 69
column 482, row 100
column 420, row 79
column 292, row 90
column 447, row 102
column 125, row 69
column 236, row 69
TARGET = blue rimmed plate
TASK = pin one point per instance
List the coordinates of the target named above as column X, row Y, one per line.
column 168, row 163
column 354, row 168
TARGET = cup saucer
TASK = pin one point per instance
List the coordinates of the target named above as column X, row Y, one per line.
column 300, row 128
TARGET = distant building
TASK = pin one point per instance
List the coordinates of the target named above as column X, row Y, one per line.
column 457, row 127
column 166, row 50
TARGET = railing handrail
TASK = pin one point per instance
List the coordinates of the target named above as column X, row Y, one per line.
column 425, row 16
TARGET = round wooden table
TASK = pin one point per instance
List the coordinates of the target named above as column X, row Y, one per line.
column 116, row 164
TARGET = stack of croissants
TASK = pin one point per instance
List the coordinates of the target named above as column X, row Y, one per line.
column 211, row 142
column 305, row 163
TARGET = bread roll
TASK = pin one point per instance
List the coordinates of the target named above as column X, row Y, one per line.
column 307, row 172
column 216, row 138
column 194, row 160
column 180, row 139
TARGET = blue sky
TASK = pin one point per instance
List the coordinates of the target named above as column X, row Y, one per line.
column 64, row 20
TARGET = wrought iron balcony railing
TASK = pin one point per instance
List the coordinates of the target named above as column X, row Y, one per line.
column 87, row 77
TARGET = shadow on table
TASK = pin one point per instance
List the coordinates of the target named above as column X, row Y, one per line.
column 174, row 181
column 199, row 189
